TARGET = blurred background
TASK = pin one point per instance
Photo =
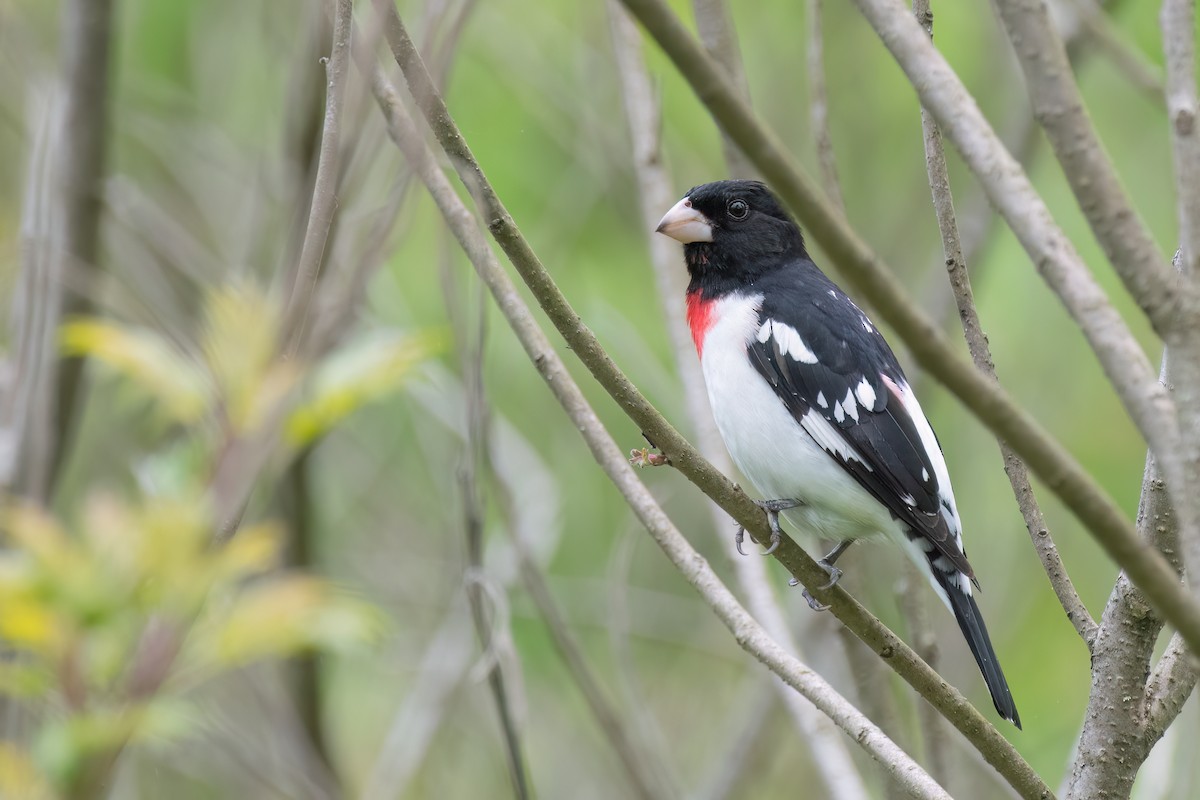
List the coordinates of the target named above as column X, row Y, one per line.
column 213, row 117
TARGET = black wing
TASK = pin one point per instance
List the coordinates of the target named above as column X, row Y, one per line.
column 842, row 383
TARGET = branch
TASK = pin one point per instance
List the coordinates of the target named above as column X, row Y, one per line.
column 977, row 343
column 324, row 200
column 1097, row 26
column 683, row 456
column 1179, row 49
column 649, row 782
column 87, row 31
column 1112, row 745
column 748, row 633
column 1125, row 364
column 1169, row 687
column 1178, row 20
column 830, row 756
column 714, row 23
column 1046, row 457
column 471, row 340
column 818, row 105
column 1127, row 714
column 1059, row 109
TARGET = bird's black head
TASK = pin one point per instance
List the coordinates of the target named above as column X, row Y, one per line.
column 733, row 232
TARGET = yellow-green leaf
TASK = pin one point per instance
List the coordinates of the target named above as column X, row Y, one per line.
column 353, row 376
column 145, row 358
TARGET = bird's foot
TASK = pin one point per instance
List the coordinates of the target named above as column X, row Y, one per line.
column 772, row 507
column 833, row 572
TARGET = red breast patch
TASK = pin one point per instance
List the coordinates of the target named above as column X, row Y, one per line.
column 700, row 318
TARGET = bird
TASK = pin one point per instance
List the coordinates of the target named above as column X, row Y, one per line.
column 812, row 403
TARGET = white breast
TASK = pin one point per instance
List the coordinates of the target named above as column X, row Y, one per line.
column 769, row 446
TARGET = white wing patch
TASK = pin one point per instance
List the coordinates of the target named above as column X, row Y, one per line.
column 829, row 438
column 850, row 406
column 821, row 401
column 929, row 442
column 866, row 394
column 764, row 332
column 788, row 339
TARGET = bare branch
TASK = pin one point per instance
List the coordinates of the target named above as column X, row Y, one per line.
column 683, row 456
column 1046, row 457
column 1178, row 20
column 1125, row 364
column 324, row 200
column 960, row 282
column 830, row 756
column 818, row 105
column 748, row 633
column 1058, row 108
column 1168, row 688
column 1113, row 745
column 87, row 30
column 1096, row 26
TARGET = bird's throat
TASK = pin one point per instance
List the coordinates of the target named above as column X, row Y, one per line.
column 699, row 317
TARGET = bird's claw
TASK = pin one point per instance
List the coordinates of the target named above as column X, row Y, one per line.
column 772, row 507
column 814, row 603
column 835, row 574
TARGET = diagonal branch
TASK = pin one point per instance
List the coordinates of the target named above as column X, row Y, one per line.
column 990, row 403
column 324, row 200
column 831, row 757
column 748, row 633
column 994, row 747
column 960, row 282
column 1011, row 193
column 1059, row 109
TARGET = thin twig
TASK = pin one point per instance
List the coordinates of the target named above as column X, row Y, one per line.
column 648, row 780
column 447, row 658
column 749, row 739
column 1131, row 63
column 960, row 282
column 925, row 642
column 830, row 755
column 471, row 341
column 324, row 200
column 990, row 403
column 748, row 633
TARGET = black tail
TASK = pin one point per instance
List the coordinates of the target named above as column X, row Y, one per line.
column 970, row 621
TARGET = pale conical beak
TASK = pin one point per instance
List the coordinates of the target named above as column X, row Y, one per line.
column 685, row 224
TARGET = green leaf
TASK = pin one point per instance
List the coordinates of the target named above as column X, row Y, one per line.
column 145, row 358
column 353, row 376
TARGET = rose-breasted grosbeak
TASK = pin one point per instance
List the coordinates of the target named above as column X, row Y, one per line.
column 811, row 402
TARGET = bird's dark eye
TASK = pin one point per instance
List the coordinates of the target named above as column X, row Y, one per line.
column 738, row 209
